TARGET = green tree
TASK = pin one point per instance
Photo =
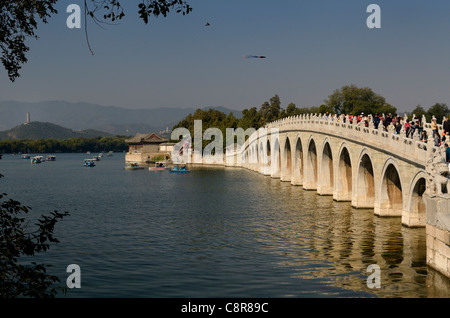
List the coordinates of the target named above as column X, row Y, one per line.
column 323, row 109
column 419, row 111
column 439, row 110
column 251, row 118
column 291, row 110
column 19, row 21
column 210, row 118
column 351, row 99
column 271, row 111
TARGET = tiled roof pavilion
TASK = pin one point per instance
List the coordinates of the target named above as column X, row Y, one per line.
column 152, row 138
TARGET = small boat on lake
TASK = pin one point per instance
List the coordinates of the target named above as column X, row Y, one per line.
column 96, row 158
column 133, row 166
column 177, row 169
column 25, row 156
column 89, row 162
column 50, row 158
column 159, row 166
column 37, row 159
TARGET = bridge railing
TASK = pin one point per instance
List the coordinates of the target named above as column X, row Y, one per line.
column 411, row 147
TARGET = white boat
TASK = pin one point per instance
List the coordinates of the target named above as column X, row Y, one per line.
column 159, row 166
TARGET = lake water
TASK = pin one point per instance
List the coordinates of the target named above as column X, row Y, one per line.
column 216, row 232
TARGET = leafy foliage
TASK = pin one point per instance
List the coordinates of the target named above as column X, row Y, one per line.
column 19, row 20
column 252, row 118
column 16, row 241
column 351, row 99
column 438, row 110
column 210, row 118
column 270, row 111
column 148, row 8
column 348, row 99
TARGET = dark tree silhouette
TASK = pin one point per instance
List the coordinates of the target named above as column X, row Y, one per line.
column 19, row 21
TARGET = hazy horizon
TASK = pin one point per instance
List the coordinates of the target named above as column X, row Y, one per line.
column 312, row 49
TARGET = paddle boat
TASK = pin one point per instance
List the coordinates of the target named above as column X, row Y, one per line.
column 96, row 158
column 50, row 158
column 177, row 169
column 25, row 156
column 133, row 166
column 37, row 159
column 159, row 166
column 89, row 162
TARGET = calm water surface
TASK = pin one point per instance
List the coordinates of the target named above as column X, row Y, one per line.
column 213, row 233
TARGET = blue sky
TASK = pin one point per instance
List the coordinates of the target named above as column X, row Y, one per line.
column 312, row 48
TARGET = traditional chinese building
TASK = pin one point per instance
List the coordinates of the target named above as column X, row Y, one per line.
column 145, row 148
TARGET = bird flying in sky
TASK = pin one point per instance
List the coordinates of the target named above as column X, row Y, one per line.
column 255, row 57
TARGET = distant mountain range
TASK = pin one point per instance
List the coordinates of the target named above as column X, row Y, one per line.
column 38, row 130
column 82, row 116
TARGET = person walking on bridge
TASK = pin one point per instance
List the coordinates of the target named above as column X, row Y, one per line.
column 447, row 154
column 434, row 126
column 446, row 128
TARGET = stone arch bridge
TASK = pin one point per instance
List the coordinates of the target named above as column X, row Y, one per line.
column 368, row 167
column 371, row 168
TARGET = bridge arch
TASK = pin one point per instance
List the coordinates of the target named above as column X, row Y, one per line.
column 390, row 189
column 268, row 158
column 344, row 183
column 253, row 155
column 297, row 175
column 364, row 181
column 326, row 171
column 261, row 154
column 276, row 159
column 310, row 182
column 415, row 213
column 286, row 166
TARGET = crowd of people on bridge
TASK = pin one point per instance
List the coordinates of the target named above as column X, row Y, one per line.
column 396, row 123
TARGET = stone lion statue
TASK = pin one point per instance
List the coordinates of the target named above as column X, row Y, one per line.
column 438, row 180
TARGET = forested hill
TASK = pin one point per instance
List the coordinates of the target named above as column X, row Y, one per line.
column 38, row 130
